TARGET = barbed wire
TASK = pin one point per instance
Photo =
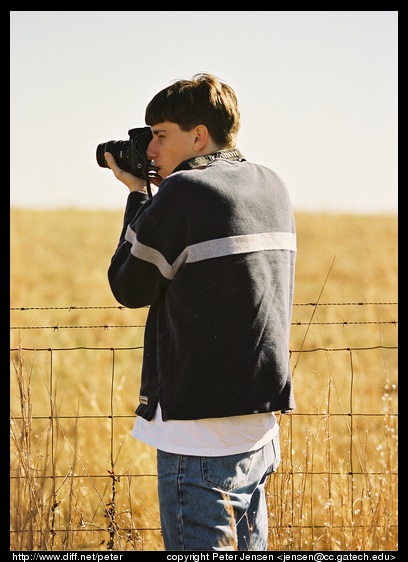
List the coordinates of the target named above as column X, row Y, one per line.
column 120, row 307
column 56, row 327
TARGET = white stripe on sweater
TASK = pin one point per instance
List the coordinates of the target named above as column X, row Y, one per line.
column 209, row 249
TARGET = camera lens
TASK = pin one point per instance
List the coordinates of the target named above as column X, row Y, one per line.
column 120, row 151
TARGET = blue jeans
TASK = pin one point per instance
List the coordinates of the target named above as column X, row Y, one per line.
column 215, row 503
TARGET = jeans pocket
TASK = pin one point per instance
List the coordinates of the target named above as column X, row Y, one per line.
column 231, row 471
column 272, row 457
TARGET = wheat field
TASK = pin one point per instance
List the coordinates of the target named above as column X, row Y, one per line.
column 78, row 481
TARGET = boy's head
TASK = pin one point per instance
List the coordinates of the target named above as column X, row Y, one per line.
column 203, row 100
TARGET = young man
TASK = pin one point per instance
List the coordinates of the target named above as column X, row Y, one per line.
column 213, row 254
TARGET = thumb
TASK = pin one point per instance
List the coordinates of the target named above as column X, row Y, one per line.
column 110, row 160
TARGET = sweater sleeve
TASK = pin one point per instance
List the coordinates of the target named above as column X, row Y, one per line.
column 134, row 280
column 134, row 204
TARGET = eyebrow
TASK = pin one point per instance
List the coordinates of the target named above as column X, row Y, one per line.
column 157, row 131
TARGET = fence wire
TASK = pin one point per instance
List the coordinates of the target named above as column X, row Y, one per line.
column 79, row 481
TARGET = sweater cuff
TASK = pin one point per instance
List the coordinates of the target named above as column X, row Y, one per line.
column 135, row 200
column 137, row 197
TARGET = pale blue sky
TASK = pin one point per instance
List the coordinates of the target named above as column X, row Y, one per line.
column 317, row 93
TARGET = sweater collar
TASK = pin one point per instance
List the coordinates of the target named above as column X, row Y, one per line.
column 225, row 154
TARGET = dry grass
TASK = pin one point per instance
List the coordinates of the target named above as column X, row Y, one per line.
column 80, row 482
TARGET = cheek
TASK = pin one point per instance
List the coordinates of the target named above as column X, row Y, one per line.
column 176, row 156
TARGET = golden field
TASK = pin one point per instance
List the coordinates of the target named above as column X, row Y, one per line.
column 80, row 482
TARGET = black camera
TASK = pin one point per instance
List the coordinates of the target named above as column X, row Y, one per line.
column 130, row 155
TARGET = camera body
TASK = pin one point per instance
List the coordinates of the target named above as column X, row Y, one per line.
column 130, row 155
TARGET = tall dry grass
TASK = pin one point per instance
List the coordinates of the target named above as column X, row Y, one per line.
column 80, row 482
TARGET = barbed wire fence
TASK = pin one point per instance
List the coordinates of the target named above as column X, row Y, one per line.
column 337, row 395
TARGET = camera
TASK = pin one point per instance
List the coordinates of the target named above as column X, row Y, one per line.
column 130, row 155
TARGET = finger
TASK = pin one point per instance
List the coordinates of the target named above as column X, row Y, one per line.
column 110, row 160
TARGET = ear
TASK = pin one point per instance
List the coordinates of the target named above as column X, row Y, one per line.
column 201, row 138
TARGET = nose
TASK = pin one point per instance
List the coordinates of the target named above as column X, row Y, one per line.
column 150, row 150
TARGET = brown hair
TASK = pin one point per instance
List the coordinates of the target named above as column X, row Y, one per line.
column 203, row 100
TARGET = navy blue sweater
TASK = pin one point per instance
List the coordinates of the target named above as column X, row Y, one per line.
column 213, row 254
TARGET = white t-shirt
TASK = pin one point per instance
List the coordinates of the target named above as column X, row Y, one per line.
column 211, row 437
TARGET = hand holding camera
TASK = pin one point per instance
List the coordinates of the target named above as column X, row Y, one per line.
column 129, row 161
column 134, row 183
